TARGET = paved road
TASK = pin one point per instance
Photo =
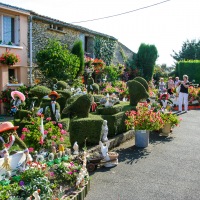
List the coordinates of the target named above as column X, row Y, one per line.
column 169, row 169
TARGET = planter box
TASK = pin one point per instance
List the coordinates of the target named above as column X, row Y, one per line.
column 189, row 108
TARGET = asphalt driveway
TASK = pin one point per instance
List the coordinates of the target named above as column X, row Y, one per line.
column 168, row 169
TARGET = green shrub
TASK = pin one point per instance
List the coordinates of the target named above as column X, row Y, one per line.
column 82, row 128
column 64, row 95
column 143, row 82
column 116, row 123
column 109, row 110
column 40, row 92
column 137, row 92
column 61, row 85
column 78, row 105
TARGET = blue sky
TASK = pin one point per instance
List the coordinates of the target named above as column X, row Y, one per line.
column 166, row 25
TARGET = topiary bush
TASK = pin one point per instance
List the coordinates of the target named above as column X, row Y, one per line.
column 116, row 123
column 137, row 92
column 78, row 105
column 65, row 122
column 97, row 97
column 109, row 110
column 91, row 86
column 83, row 128
column 40, row 92
column 143, row 82
column 61, row 85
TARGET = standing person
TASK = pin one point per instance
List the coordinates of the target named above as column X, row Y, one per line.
column 177, row 82
column 161, row 85
column 170, row 84
column 183, row 94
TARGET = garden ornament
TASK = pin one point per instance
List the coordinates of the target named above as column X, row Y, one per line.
column 106, row 157
column 8, row 136
column 17, row 98
column 76, row 148
column 36, row 194
column 104, row 131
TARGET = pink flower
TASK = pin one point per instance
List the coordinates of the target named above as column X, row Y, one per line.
column 53, row 137
column 31, row 149
column 39, row 114
column 22, row 137
column 70, row 172
column 50, row 129
column 63, row 132
column 41, row 141
column 61, row 139
column 25, row 130
column 51, row 173
column 59, row 125
column 53, row 143
column 53, row 122
column 48, row 118
column 45, row 132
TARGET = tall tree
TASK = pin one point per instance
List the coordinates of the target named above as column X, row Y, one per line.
column 190, row 51
column 77, row 49
column 146, row 58
column 56, row 61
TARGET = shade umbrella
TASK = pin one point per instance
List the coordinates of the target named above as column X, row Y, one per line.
column 19, row 94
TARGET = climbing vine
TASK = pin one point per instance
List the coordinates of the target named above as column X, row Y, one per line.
column 124, row 57
column 104, row 49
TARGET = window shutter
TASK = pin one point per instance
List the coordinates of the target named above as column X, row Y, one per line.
column 1, row 27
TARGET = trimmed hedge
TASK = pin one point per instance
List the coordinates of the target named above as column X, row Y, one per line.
column 190, row 68
column 98, row 97
column 109, row 110
column 21, row 124
column 64, row 95
column 143, row 82
column 116, row 123
column 82, row 128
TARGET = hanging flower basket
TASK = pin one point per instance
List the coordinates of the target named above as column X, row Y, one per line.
column 9, row 58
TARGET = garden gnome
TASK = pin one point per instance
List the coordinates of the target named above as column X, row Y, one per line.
column 164, row 101
column 75, row 147
column 17, row 99
column 55, row 113
column 104, row 131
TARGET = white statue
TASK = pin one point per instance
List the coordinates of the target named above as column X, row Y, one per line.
column 106, row 157
column 75, row 147
column 104, row 131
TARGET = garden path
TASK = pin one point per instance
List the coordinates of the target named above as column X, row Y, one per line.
column 167, row 169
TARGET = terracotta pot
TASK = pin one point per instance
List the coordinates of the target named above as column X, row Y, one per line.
column 113, row 155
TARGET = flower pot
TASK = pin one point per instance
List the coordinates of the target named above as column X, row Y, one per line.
column 141, row 138
column 166, row 129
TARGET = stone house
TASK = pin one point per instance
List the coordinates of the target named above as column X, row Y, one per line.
column 29, row 32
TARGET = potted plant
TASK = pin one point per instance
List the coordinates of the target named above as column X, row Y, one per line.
column 143, row 120
column 170, row 120
column 9, row 58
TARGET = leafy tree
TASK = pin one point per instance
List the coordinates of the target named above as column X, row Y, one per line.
column 190, row 51
column 77, row 49
column 55, row 61
column 146, row 58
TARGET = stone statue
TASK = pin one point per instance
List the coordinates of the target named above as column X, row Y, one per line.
column 104, row 131
column 75, row 147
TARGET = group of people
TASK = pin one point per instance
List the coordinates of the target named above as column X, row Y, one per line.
column 177, row 87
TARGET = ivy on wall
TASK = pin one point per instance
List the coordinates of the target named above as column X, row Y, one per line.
column 104, row 49
column 124, row 57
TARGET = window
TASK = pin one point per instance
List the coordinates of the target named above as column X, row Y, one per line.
column 9, row 26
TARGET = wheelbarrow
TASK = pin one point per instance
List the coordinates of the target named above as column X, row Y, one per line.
column 93, row 163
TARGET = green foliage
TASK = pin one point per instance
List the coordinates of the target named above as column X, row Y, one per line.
column 191, row 68
column 24, row 114
column 190, row 51
column 97, row 97
column 61, row 85
column 109, row 110
column 115, row 123
column 77, row 50
column 8, row 191
column 34, row 179
column 113, row 72
column 79, row 105
column 40, row 92
column 170, row 118
column 146, row 58
column 137, row 92
column 55, row 61
column 143, row 82
column 64, row 95
column 83, row 128
column 104, row 49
